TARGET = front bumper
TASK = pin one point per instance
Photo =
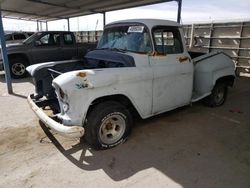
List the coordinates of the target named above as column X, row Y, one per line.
column 67, row 131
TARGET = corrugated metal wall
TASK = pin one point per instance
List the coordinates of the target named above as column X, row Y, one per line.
column 231, row 37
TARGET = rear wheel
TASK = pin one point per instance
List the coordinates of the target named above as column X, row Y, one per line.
column 18, row 67
column 107, row 125
column 218, row 95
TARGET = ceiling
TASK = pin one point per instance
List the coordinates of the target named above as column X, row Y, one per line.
column 48, row 10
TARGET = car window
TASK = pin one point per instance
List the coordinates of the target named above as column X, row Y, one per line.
column 19, row 36
column 30, row 33
column 49, row 39
column 167, row 40
column 8, row 37
column 68, row 39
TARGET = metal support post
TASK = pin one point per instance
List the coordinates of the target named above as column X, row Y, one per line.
column 68, row 24
column 179, row 10
column 192, row 37
column 37, row 25
column 104, row 19
column 46, row 26
column 41, row 26
column 5, row 57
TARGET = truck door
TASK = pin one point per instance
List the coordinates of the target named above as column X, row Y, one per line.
column 172, row 84
column 47, row 48
column 69, row 47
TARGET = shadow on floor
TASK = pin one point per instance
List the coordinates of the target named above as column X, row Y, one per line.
column 186, row 145
column 22, row 80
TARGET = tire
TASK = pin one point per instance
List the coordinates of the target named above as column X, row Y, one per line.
column 218, row 95
column 18, row 67
column 107, row 125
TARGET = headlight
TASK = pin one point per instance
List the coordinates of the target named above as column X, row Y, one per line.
column 65, row 107
column 61, row 93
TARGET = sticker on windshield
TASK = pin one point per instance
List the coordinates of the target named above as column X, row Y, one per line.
column 135, row 29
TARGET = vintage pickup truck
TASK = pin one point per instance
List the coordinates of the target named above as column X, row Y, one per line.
column 139, row 67
column 43, row 47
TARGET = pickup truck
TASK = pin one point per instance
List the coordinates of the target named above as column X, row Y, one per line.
column 43, row 47
column 139, row 67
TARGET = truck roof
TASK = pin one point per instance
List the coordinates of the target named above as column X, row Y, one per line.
column 54, row 32
column 149, row 22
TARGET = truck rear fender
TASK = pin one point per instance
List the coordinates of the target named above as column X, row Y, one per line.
column 229, row 80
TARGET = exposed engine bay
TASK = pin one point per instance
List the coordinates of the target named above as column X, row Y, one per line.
column 43, row 74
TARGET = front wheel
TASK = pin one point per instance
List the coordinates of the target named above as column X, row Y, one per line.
column 18, row 67
column 218, row 95
column 107, row 125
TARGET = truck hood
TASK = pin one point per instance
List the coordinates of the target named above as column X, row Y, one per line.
column 93, row 58
column 111, row 56
column 16, row 47
column 33, row 68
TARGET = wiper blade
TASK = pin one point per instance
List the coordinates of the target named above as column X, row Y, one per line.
column 119, row 50
column 113, row 49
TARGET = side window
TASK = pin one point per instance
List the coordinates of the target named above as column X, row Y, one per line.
column 49, row 39
column 68, row 39
column 8, row 37
column 19, row 37
column 167, row 40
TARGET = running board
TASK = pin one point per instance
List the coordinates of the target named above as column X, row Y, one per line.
column 197, row 98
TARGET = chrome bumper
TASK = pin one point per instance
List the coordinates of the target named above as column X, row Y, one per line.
column 67, row 131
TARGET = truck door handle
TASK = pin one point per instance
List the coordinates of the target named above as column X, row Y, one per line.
column 183, row 59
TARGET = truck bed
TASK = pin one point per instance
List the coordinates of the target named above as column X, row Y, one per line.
column 207, row 68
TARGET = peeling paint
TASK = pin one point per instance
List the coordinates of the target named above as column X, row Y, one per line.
column 81, row 85
column 183, row 59
column 84, row 85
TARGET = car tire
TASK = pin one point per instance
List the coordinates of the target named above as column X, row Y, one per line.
column 107, row 125
column 218, row 95
column 18, row 67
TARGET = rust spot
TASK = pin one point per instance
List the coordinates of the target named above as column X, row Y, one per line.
column 81, row 74
column 183, row 59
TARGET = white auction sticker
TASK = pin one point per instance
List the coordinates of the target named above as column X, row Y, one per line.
column 135, row 29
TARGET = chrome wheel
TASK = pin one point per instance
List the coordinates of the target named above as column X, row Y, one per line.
column 112, row 129
column 18, row 69
column 219, row 95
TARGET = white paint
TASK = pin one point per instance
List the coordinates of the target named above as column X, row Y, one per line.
column 157, row 84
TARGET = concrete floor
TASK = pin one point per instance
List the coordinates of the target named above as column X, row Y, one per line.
column 190, row 147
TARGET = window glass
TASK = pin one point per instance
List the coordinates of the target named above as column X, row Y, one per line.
column 68, row 39
column 49, row 39
column 8, row 37
column 131, row 37
column 30, row 33
column 167, row 40
column 19, row 37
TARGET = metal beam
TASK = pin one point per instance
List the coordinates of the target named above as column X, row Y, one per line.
column 34, row 14
column 54, row 4
column 5, row 57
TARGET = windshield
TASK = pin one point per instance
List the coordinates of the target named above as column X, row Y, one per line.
column 31, row 38
column 134, row 38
